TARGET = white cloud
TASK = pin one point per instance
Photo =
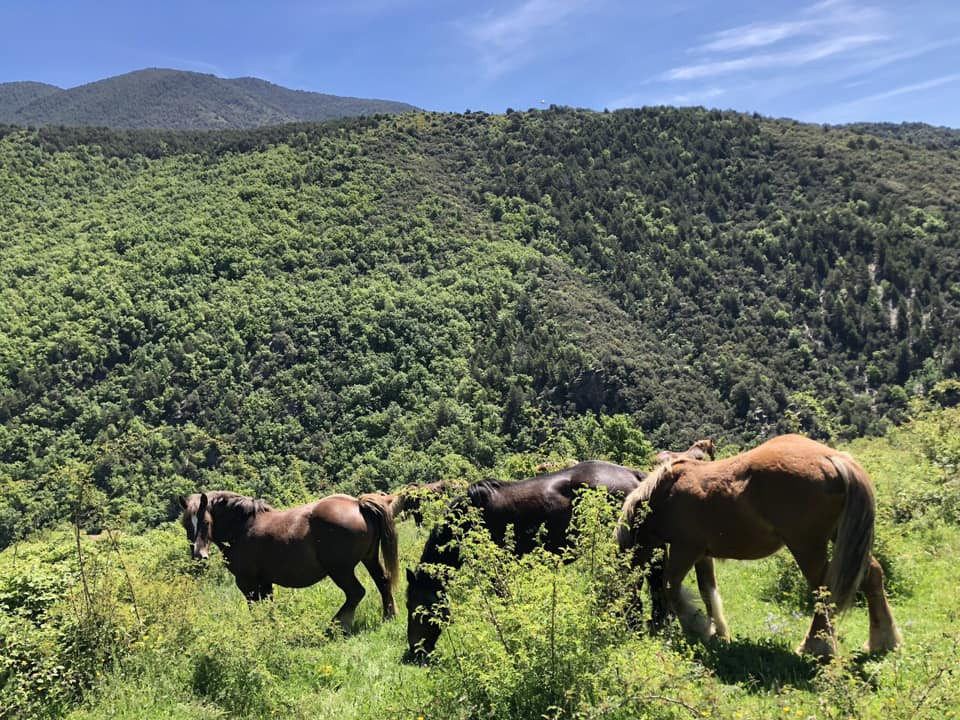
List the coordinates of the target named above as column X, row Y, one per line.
column 755, row 35
column 512, row 38
column 854, row 107
column 800, row 56
column 814, row 33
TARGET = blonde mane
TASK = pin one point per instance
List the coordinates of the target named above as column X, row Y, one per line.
column 641, row 494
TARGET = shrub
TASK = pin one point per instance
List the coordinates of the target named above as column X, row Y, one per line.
column 530, row 634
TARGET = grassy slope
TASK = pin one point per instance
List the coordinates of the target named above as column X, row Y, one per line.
column 203, row 654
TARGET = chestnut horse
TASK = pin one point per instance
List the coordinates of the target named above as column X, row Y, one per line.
column 299, row 546
column 788, row 491
column 700, row 450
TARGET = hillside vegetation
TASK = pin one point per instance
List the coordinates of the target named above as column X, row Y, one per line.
column 126, row 626
column 177, row 99
column 353, row 305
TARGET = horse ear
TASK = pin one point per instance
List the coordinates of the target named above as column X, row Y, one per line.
column 183, row 502
column 411, row 578
column 203, row 503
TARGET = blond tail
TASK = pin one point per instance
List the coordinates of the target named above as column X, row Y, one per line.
column 854, row 538
column 376, row 507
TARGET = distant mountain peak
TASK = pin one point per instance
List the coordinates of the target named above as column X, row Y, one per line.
column 165, row 98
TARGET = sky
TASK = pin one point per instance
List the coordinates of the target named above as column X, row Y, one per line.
column 833, row 61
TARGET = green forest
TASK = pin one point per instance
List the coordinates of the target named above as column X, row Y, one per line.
column 358, row 304
column 298, row 310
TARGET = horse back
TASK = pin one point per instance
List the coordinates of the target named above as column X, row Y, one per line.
column 617, row 479
column 783, row 491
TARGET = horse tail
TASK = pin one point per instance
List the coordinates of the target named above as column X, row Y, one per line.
column 853, row 542
column 377, row 508
column 635, row 503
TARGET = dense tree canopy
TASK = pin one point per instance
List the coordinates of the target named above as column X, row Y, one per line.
column 360, row 303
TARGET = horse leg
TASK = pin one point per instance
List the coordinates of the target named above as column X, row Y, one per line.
column 820, row 640
column 884, row 635
column 347, row 581
column 643, row 559
column 249, row 588
column 679, row 561
column 658, row 605
column 379, row 576
column 707, row 583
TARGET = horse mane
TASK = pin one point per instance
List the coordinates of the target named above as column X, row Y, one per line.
column 481, row 492
column 232, row 511
column 239, row 503
column 627, row 526
column 440, row 547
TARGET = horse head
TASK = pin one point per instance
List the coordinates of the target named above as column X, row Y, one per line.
column 198, row 522
column 426, row 611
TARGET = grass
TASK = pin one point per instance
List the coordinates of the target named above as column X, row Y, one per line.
column 197, row 651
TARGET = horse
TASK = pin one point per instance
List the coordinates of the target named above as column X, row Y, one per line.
column 410, row 497
column 300, row 546
column 789, row 491
column 700, row 450
column 527, row 505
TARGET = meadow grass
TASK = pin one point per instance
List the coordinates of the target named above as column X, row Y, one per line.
column 161, row 637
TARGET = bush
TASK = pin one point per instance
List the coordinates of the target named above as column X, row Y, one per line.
column 529, row 635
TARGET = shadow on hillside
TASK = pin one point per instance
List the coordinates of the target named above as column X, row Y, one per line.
column 757, row 664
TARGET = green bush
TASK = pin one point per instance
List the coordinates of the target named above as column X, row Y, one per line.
column 530, row 634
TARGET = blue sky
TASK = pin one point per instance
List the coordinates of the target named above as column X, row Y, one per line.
column 832, row 61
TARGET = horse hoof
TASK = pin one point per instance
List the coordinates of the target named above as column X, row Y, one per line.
column 818, row 648
column 882, row 643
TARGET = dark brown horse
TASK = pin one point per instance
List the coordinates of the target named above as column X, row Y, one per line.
column 299, row 546
column 789, row 491
column 528, row 505
column 700, row 450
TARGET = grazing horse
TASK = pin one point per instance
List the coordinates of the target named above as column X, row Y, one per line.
column 527, row 505
column 410, row 497
column 700, row 450
column 788, row 491
column 299, row 546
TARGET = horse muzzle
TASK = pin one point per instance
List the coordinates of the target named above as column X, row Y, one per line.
column 200, row 553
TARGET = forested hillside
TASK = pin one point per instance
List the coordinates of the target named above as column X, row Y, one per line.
column 177, row 99
column 360, row 303
column 15, row 95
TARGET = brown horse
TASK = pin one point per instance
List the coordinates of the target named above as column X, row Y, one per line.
column 299, row 546
column 410, row 497
column 788, row 491
column 700, row 450
column 527, row 505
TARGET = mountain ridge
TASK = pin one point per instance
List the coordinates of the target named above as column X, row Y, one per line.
column 162, row 98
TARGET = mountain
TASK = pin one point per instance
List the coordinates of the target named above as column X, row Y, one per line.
column 929, row 136
column 15, row 95
column 365, row 302
column 176, row 99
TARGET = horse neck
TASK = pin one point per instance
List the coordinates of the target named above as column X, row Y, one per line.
column 232, row 517
column 438, row 549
